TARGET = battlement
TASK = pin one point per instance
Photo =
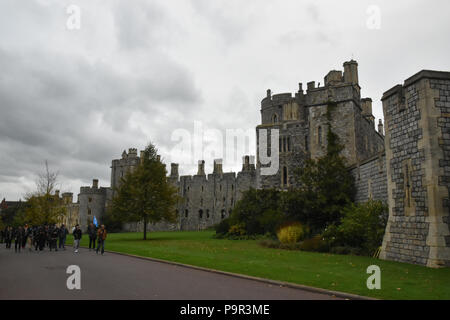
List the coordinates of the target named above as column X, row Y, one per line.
column 248, row 165
column 94, row 189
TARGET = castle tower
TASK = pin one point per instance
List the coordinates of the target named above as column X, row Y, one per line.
column 120, row 167
column 351, row 72
column 93, row 201
column 417, row 128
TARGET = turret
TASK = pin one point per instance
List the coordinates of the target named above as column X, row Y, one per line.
column 201, row 168
column 248, row 163
column 333, row 77
column 366, row 105
column 218, row 166
column 67, row 197
column 380, row 127
column 174, row 170
column 351, row 72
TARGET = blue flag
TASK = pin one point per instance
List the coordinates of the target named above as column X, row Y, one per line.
column 95, row 222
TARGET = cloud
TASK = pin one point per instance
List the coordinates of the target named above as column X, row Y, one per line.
column 136, row 71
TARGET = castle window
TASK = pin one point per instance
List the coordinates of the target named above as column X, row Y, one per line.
column 275, row 118
column 289, row 144
column 90, row 199
column 284, row 144
column 89, row 212
column 201, row 202
column 200, row 214
column 279, row 145
column 202, row 188
column 207, row 213
column 285, row 176
column 186, row 213
column 319, row 135
column 222, row 214
column 306, row 143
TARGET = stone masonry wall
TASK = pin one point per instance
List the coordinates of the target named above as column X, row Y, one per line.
column 370, row 179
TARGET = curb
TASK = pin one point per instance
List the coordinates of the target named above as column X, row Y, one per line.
column 344, row 295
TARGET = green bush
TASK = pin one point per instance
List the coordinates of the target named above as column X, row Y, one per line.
column 257, row 213
column 316, row 244
column 222, row 227
column 362, row 227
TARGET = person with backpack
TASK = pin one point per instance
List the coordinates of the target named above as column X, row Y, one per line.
column 101, row 235
column 77, row 234
column 92, row 231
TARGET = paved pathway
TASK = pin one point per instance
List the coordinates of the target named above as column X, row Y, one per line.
column 42, row 275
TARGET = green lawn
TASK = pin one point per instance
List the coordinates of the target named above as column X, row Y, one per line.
column 328, row 271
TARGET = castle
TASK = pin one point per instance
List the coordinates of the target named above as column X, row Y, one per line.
column 408, row 169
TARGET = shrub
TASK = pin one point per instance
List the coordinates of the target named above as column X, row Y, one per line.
column 362, row 226
column 316, row 244
column 291, row 233
column 237, row 229
column 223, row 227
column 257, row 213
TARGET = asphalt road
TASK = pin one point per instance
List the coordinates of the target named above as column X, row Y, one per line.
column 42, row 275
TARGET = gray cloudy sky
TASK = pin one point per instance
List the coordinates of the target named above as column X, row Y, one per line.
column 138, row 70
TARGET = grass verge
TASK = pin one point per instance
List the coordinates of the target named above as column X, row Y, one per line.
column 322, row 270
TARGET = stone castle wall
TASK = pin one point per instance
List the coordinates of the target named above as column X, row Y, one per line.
column 416, row 145
column 370, row 179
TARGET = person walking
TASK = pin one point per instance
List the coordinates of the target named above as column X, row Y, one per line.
column 41, row 238
column 63, row 232
column 101, row 235
column 54, row 234
column 77, row 237
column 18, row 238
column 8, row 237
column 92, row 231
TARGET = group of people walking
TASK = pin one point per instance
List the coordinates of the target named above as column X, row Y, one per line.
column 51, row 236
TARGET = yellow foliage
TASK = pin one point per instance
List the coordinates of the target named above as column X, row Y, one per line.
column 291, row 233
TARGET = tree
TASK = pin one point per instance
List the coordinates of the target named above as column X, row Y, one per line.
column 43, row 207
column 145, row 194
column 326, row 187
column 257, row 212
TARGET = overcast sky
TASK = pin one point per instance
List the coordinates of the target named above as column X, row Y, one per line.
column 138, row 71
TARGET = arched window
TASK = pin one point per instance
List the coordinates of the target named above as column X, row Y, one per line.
column 319, row 135
column 186, row 213
column 274, row 118
column 285, row 176
column 200, row 214
column 207, row 213
column 222, row 214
